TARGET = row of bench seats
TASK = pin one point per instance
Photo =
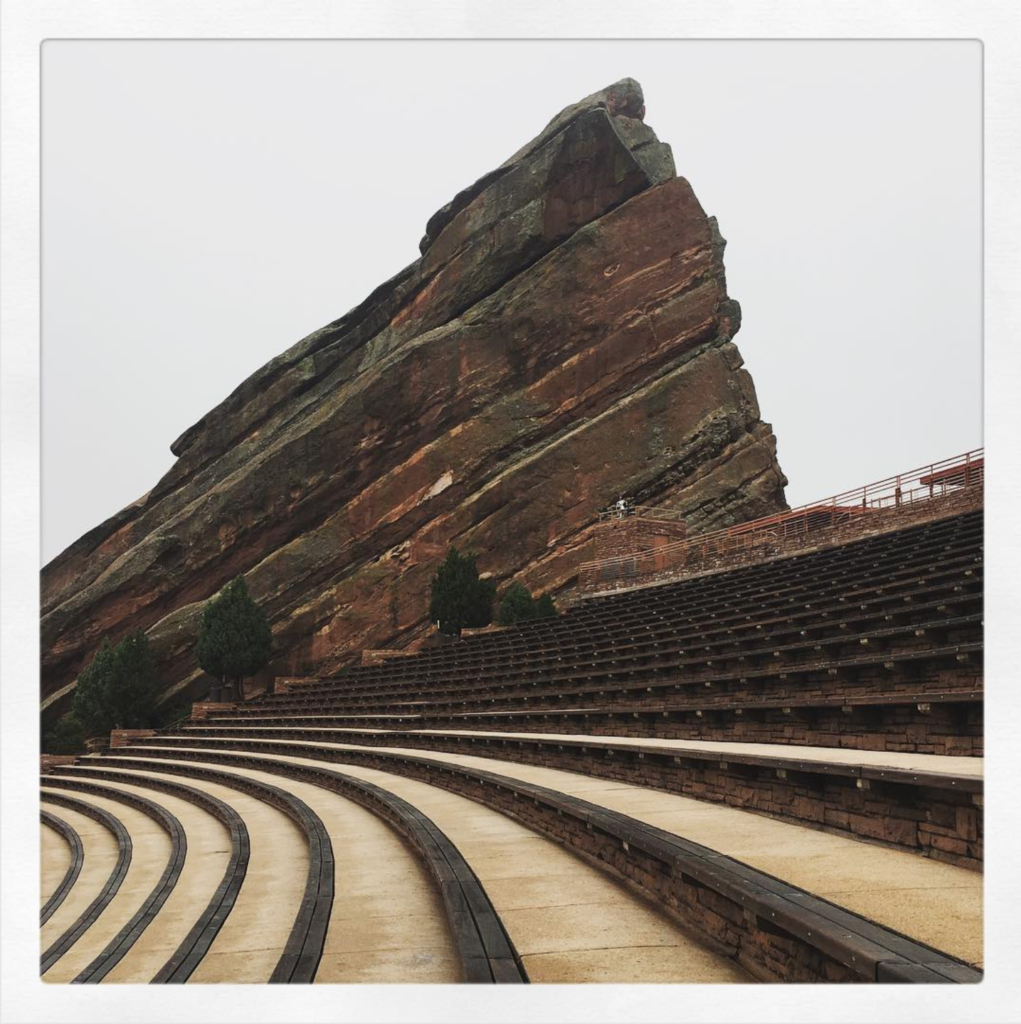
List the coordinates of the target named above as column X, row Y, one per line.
column 841, row 632
column 910, row 564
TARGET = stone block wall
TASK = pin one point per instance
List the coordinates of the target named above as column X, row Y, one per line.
column 951, row 729
column 204, row 709
column 125, row 737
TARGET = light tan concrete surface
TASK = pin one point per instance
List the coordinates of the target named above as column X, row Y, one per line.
column 54, row 860
column 936, row 903
column 149, row 855
column 573, row 920
column 252, row 938
column 971, row 766
column 207, row 857
column 389, row 966
column 99, row 853
column 386, row 906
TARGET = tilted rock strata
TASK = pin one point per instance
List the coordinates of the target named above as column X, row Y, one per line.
column 565, row 337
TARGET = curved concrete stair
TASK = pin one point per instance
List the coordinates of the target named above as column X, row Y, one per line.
column 869, row 794
column 143, row 849
column 61, row 859
column 935, row 904
column 214, row 849
column 365, row 941
column 100, row 855
column 568, row 921
column 123, row 942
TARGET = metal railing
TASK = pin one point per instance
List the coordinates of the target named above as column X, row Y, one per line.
column 642, row 512
column 935, row 480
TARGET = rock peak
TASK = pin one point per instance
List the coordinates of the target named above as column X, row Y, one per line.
column 622, row 99
column 624, row 106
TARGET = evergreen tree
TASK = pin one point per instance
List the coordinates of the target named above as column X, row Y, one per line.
column 118, row 688
column 234, row 638
column 517, row 605
column 459, row 598
column 91, row 706
column 131, row 694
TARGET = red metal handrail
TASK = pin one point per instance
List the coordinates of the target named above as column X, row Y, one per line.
column 922, row 484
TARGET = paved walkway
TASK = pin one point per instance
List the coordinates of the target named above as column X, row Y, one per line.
column 940, row 763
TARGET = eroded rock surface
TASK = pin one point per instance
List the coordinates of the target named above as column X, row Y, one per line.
column 564, row 337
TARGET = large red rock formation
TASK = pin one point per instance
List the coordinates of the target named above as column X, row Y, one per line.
column 564, row 337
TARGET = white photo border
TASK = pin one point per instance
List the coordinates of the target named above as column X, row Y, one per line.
column 26, row 24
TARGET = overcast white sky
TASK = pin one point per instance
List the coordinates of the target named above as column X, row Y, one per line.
column 206, row 204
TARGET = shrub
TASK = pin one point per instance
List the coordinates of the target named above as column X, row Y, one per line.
column 91, row 705
column 518, row 605
column 234, row 638
column 459, row 598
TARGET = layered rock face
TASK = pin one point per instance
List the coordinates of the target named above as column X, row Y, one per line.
column 565, row 337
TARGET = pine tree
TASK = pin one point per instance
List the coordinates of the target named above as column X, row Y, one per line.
column 132, row 691
column 91, row 705
column 517, row 606
column 459, row 598
column 234, row 638
column 118, row 688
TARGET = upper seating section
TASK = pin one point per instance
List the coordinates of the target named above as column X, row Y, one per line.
column 885, row 631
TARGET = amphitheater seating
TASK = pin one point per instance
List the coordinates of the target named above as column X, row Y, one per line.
column 770, row 773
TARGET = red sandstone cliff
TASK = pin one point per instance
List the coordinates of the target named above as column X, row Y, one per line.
column 564, row 337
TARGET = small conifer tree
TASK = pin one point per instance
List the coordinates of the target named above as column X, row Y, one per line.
column 90, row 705
column 118, row 688
column 234, row 639
column 135, row 684
column 459, row 598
